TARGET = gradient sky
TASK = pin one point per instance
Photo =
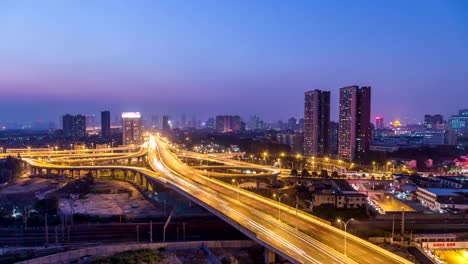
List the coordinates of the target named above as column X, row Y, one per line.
column 234, row 57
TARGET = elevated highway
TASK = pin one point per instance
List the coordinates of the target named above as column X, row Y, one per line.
column 313, row 241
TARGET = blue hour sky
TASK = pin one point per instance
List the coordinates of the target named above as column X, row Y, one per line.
column 234, row 57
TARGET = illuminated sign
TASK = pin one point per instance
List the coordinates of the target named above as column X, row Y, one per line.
column 446, row 245
column 131, row 115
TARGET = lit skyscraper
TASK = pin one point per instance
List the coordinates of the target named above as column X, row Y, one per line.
column 379, row 122
column 131, row 128
column 74, row 126
column 105, row 124
column 354, row 134
column 316, row 122
column 432, row 121
column 165, row 123
column 333, row 139
column 228, row 123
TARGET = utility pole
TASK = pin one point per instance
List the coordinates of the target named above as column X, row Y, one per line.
column 151, row 231
column 138, row 233
column 46, row 231
column 297, row 204
column 183, row 231
column 402, row 221
column 393, row 227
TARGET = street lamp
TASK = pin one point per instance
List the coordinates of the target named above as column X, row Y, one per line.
column 234, row 181
column 345, row 226
column 279, row 203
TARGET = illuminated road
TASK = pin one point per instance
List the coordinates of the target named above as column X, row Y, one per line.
column 315, row 241
column 358, row 249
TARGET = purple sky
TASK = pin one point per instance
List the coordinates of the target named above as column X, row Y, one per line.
column 234, row 57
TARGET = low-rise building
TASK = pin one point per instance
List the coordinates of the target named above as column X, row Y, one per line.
column 443, row 199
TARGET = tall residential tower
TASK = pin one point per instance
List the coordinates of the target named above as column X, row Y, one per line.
column 131, row 128
column 316, row 123
column 105, row 124
column 354, row 133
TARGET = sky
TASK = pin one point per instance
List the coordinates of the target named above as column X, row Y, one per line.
column 209, row 57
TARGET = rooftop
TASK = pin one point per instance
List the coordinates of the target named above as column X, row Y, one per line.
column 445, row 191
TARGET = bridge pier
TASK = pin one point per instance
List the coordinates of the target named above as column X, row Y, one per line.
column 129, row 161
column 125, row 174
column 48, row 172
column 113, row 173
column 269, row 256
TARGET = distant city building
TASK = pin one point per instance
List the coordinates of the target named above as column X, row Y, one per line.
column 105, row 124
column 254, row 123
column 155, row 121
column 294, row 140
column 165, row 123
column 210, row 123
column 333, row 138
column 131, row 128
column 228, row 123
column 432, row 121
column 91, row 122
column 316, row 122
column 458, row 124
column 74, row 126
column 300, row 125
column 354, row 135
column 379, row 122
column 292, row 124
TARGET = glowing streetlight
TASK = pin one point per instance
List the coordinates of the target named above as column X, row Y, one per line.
column 345, row 226
column 234, row 181
column 279, row 203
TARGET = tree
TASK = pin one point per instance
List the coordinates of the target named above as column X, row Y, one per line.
column 305, row 173
column 335, row 175
column 10, row 170
column 324, row 174
column 294, row 172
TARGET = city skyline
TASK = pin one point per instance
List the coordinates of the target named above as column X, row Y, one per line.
column 154, row 57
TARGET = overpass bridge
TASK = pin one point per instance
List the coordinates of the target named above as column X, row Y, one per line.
column 313, row 241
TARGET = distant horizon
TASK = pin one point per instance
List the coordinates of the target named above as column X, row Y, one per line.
column 230, row 57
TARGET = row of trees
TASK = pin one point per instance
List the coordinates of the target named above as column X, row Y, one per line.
column 10, row 169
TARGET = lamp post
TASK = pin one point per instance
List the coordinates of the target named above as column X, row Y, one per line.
column 279, row 203
column 234, row 181
column 345, row 227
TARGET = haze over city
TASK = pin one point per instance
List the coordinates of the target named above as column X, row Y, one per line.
column 237, row 57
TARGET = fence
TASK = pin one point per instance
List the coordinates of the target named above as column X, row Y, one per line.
column 66, row 257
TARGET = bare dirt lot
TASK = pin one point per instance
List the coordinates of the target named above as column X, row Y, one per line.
column 109, row 198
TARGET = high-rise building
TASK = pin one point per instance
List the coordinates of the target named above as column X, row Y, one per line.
column 333, row 138
column 131, row 128
column 91, row 121
column 210, row 123
column 292, row 124
column 74, row 126
column 379, row 122
column 354, row 135
column 316, row 122
column 228, row 123
column 105, row 124
column 432, row 121
column 254, row 123
column 165, row 123
column 459, row 125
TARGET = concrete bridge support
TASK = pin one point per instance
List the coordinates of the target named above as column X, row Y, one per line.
column 269, row 256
